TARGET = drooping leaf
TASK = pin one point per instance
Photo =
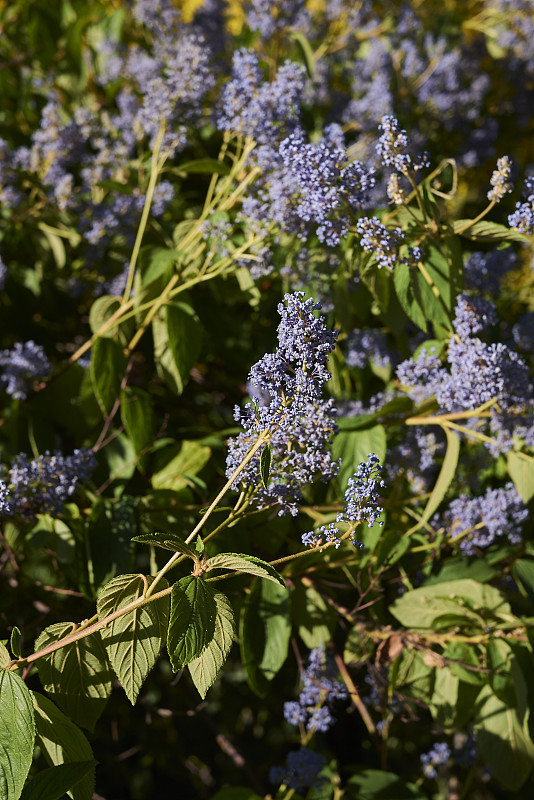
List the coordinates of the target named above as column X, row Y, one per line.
column 177, row 342
column 132, row 641
column 502, row 740
column 206, row 667
column 78, row 676
column 107, row 369
column 62, row 742
column 191, row 620
column 242, row 563
column 445, row 477
column 265, row 630
column 17, row 734
column 54, row 782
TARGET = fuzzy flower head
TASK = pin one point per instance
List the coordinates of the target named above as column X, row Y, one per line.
column 393, row 147
column 20, row 366
column 500, row 180
column 377, row 239
column 286, row 387
column 319, row 689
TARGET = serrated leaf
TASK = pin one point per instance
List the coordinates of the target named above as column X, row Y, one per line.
column 265, row 464
column 265, row 630
column 14, row 642
column 54, row 782
column 206, row 667
column 502, row 740
column 168, row 542
column 62, row 742
column 17, row 734
column 243, row 563
column 78, row 676
column 445, row 477
column 134, row 640
column 191, row 620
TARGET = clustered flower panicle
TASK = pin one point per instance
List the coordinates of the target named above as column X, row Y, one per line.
column 286, row 387
column 20, row 366
column 319, row 690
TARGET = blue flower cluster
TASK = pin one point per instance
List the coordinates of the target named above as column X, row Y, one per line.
column 319, row 689
column 20, row 366
column 377, row 239
column 523, row 217
column 367, row 345
column 270, row 17
column 478, row 521
column 361, row 505
column 44, row 484
column 393, row 146
column 301, row 770
column 436, row 757
column 286, row 387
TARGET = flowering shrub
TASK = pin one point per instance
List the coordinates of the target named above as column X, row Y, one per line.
column 266, row 391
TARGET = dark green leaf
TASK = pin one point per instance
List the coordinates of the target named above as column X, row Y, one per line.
column 523, row 572
column 314, row 618
column 14, row 642
column 206, row 667
column 191, row 621
column 54, row 782
column 137, row 417
column 107, row 369
column 168, row 542
column 353, row 447
column 445, row 477
column 373, row 784
column 306, row 52
column 265, row 464
column 485, row 231
column 181, row 470
column 134, row 640
column 177, row 343
column 265, row 629
column 62, row 742
column 17, row 734
column 500, row 656
column 78, row 676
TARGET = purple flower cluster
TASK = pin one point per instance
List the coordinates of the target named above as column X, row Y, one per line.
column 328, row 188
column 479, row 521
column 286, row 387
column 377, row 239
column 393, row 146
column 483, row 271
column 436, row 757
column 20, row 366
column 361, row 505
column 301, row 770
column 319, row 690
column 270, row 17
column 367, row 345
column 523, row 217
column 44, row 484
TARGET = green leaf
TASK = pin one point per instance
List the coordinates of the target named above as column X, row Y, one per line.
column 445, row 696
column 107, row 369
column 168, row 542
column 206, row 667
column 265, row 464
column 100, row 312
column 408, row 298
column 414, row 675
column 313, row 617
column 177, row 343
column 445, row 477
column 181, row 470
column 200, row 166
column 484, row 231
column 461, row 657
column 242, row 563
column 353, row 447
column 62, row 742
column 5, row 657
column 78, row 676
column 500, row 657
column 374, row 784
column 191, row 621
column 306, row 52
column 502, row 740
column 265, row 630
column 137, row 417
column 523, row 572
column 521, row 470
column 421, row 607
column 134, row 640
column 14, row 642
column 17, row 734
column 236, row 793
column 54, row 782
